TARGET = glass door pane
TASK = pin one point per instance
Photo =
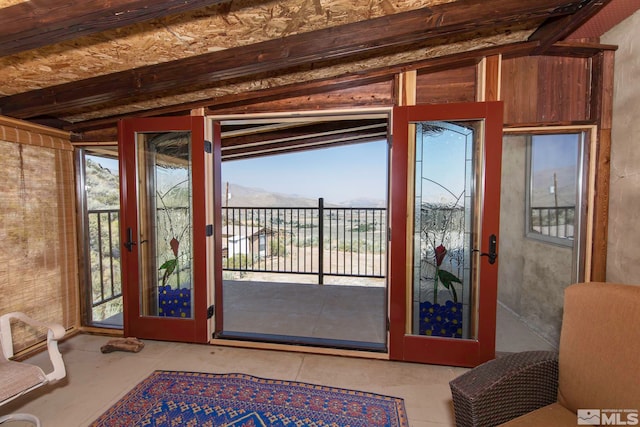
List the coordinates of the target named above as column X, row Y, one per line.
column 99, row 203
column 165, row 224
column 445, row 204
column 443, row 231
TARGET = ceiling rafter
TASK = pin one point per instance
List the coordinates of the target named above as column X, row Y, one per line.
column 307, row 49
column 558, row 28
column 37, row 23
column 304, row 144
column 104, row 129
column 310, row 130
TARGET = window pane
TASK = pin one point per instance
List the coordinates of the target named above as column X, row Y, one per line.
column 553, row 184
column 104, row 278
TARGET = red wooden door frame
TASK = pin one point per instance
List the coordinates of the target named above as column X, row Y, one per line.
column 437, row 350
column 216, row 130
column 162, row 328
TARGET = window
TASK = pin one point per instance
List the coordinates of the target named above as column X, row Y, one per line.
column 262, row 244
column 554, row 166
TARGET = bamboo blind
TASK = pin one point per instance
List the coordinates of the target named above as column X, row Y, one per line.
column 38, row 263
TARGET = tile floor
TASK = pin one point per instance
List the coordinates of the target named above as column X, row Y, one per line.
column 95, row 381
column 514, row 335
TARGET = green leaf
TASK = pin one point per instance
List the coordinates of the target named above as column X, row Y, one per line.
column 447, row 279
column 168, row 268
column 169, row 265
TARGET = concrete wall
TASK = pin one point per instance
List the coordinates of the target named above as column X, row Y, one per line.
column 624, row 231
column 532, row 275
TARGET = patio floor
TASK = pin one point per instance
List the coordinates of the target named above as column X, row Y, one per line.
column 346, row 316
column 349, row 316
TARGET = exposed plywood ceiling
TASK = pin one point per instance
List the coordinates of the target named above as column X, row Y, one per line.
column 82, row 68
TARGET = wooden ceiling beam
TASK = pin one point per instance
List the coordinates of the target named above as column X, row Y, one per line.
column 310, row 130
column 300, row 144
column 578, row 49
column 359, row 39
column 233, row 103
column 93, row 136
column 245, row 98
column 37, row 23
column 558, row 28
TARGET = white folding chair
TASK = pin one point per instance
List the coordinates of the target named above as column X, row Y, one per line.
column 19, row 378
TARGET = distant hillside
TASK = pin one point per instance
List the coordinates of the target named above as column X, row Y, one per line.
column 102, row 186
column 566, row 191
column 364, row 203
column 256, row 197
column 103, row 193
column 239, row 196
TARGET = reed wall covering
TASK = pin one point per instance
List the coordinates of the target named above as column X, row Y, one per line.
column 38, row 260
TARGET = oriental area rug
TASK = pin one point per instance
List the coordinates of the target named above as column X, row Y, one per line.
column 170, row 398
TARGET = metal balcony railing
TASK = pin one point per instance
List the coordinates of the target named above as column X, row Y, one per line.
column 553, row 221
column 104, row 255
column 322, row 241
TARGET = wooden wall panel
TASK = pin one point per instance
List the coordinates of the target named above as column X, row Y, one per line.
column 536, row 91
column 602, row 107
column 490, row 78
column 370, row 95
column 549, row 89
column 458, row 85
column 563, row 89
column 519, row 89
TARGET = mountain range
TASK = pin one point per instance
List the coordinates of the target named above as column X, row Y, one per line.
column 103, row 192
column 240, row 196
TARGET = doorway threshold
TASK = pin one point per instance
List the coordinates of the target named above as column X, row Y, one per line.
column 297, row 341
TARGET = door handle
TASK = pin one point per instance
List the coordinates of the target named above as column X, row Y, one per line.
column 492, row 254
column 129, row 243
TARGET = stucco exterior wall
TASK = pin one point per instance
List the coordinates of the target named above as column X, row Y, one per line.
column 624, row 231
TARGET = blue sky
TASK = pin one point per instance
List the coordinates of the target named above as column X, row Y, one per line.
column 355, row 171
column 555, row 151
column 443, row 165
column 338, row 174
column 111, row 164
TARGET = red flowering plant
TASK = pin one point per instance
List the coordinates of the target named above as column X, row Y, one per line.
column 170, row 265
column 443, row 276
column 173, row 229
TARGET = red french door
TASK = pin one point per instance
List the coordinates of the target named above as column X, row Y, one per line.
column 163, row 230
column 445, row 206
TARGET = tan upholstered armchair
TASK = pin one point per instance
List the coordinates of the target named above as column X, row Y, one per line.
column 17, row 378
column 596, row 370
